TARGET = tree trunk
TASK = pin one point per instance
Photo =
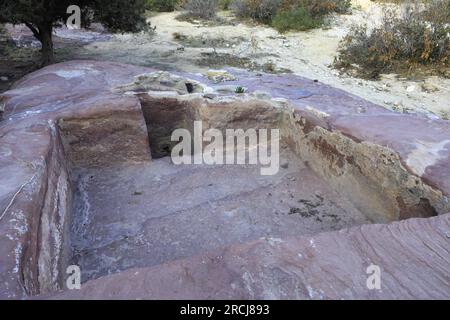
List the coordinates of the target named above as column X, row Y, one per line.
column 45, row 37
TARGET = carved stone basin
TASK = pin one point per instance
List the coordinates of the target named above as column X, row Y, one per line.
column 87, row 180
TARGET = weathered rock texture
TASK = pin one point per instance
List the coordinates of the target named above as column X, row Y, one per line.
column 43, row 112
column 77, row 121
column 413, row 255
column 146, row 215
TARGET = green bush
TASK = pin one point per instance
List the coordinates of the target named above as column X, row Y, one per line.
column 162, row 5
column 225, row 4
column 204, row 9
column 260, row 10
column 299, row 19
column 417, row 37
column 290, row 14
column 318, row 7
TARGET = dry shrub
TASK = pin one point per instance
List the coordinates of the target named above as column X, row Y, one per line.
column 225, row 4
column 260, row 10
column 162, row 5
column 290, row 14
column 204, row 9
column 418, row 36
column 318, row 7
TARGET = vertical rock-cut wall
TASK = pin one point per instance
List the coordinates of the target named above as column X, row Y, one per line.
column 35, row 224
column 99, row 139
column 371, row 176
column 35, row 221
column 95, row 140
column 67, row 116
column 54, row 222
column 163, row 115
column 106, row 139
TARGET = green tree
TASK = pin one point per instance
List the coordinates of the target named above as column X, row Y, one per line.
column 41, row 16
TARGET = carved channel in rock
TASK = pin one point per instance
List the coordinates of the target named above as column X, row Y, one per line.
column 130, row 211
column 371, row 176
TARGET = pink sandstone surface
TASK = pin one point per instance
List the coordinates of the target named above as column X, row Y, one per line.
column 364, row 186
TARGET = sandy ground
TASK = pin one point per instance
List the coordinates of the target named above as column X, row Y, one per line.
column 308, row 54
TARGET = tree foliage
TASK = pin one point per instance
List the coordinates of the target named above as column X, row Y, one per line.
column 41, row 16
